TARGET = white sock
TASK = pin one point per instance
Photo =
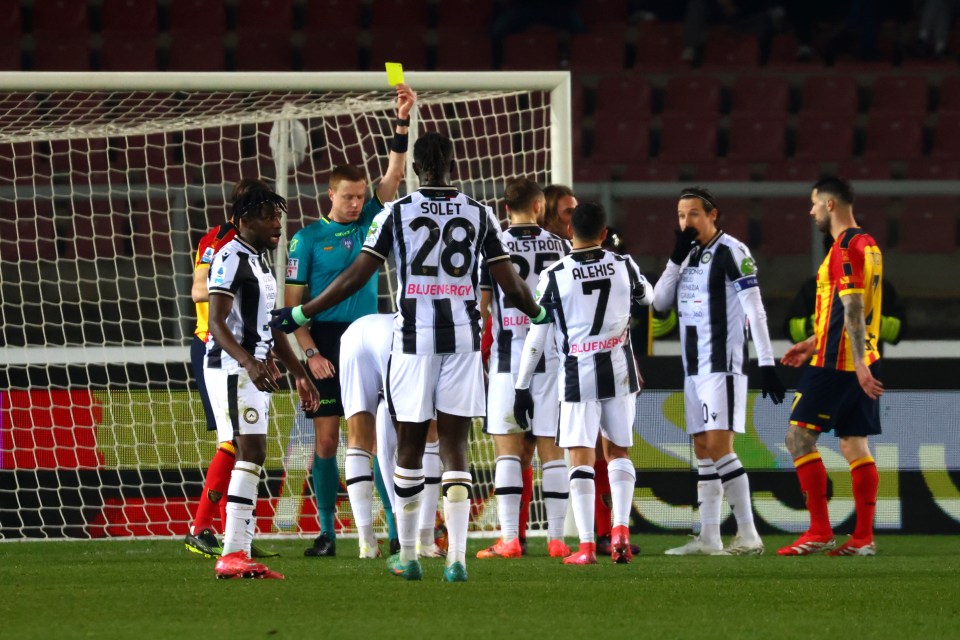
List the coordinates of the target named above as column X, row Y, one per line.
column 241, row 499
column 709, row 501
column 431, row 492
column 456, row 511
column 736, row 487
column 582, row 496
column 508, row 486
column 623, row 480
column 408, row 487
column 556, row 493
column 359, row 479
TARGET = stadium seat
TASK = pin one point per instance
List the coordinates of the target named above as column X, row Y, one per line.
column 785, row 227
column 620, row 141
column 623, row 93
column 84, row 160
column 757, row 138
column 735, row 217
column 203, row 18
column 726, row 49
column 760, row 94
column 783, row 54
column 899, row 95
column 949, row 95
column 97, row 235
column 10, row 56
column 150, row 221
column 793, row 171
column 864, row 169
column 62, row 16
column 654, row 171
column 265, row 15
column 591, row 171
column 658, row 47
column 654, row 219
column 55, row 51
column 932, row 169
column 929, row 225
column 191, row 51
column 824, row 139
column 723, row 171
column 685, row 139
column 452, row 13
column 128, row 51
column 336, row 51
column 895, row 138
column 833, row 96
column 263, row 51
column 946, row 136
column 464, row 50
column 140, row 158
column 871, row 214
column 691, row 95
column 599, row 52
column 535, row 49
column 605, row 12
column 410, row 14
column 392, row 45
column 128, row 16
column 18, row 162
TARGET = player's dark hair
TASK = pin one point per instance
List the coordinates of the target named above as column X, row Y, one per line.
column 521, row 193
column 433, row 153
column 245, row 185
column 709, row 201
column 588, row 220
column 346, row 172
column 837, row 187
column 553, row 194
column 256, row 202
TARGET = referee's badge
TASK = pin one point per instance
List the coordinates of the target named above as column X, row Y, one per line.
column 348, row 243
column 251, row 416
column 706, row 257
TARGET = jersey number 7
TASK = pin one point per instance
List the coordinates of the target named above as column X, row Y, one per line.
column 603, row 286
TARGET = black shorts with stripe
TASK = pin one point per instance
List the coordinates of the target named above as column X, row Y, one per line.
column 831, row 400
column 327, row 337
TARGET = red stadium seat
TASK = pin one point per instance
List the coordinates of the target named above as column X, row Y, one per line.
column 793, row 171
column 892, row 137
column 599, row 52
column 754, row 137
column 899, row 95
column 393, row 45
column 464, row 50
column 263, row 51
column 398, row 13
column 691, row 95
column 785, row 227
column 949, row 95
column 535, row 49
column 864, row 169
column 128, row 51
column 10, row 57
column 191, row 51
column 620, row 141
column 55, row 51
column 83, row 159
column 658, row 47
column 727, row 49
column 128, row 16
column 684, row 139
column 336, row 51
column 833, row 96
column 871, row 213
column 97, row 235
column 606, row 12
column 928, row 225
column 723, row 171
column 783, row 54
column 63, row 16
column 591, row 171
column 822, row 138
column 35, row 239
column 761, row 94
column 930, row 169
column 735, row 217
column 19, row 162
column 655, row 171
column 946, row 136
column 623, row 93
column 655, row 218
column 204, row 18
column 150, row 221
column 453, row 13
column 265, row 15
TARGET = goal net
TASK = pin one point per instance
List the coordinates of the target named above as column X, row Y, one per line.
column 107, row 182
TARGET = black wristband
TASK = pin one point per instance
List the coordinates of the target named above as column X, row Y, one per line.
column 403, row 122
column 399, row 143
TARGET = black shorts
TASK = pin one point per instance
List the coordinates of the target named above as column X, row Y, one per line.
column 198, row 349
column 327, row 336
column 831, row 400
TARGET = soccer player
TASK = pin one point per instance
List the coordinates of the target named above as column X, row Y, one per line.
column 438, row 235
column 318, row 254
column 840, row 390
column 242, row 293
column 201, row 538
column 588, row 296
column 531, row 249
column 559, row 205
column 712, row 278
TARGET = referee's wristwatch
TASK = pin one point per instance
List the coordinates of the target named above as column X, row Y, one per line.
column 310, row 353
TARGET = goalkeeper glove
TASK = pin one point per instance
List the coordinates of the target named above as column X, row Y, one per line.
column 523, row 408
column 288, row 319
column 770, row 384
column 683, row 244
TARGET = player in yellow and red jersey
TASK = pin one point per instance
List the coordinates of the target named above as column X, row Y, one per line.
column 840, row 390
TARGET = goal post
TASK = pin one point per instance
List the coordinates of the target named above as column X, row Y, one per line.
column 107, row 181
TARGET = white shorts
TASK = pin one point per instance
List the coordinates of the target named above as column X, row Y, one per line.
column 582, row 422
column 715, row 401
column 419, row 386
column 239, row 408
column 386, row 447
column 546, row 402
column 360, row 379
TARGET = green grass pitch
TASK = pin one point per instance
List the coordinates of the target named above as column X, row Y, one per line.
column 156, row 589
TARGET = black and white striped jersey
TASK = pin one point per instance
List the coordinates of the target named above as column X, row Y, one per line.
column 589, row 294
column 438, row 236
column 532, row 249
column 716, row 291
column 241, row 273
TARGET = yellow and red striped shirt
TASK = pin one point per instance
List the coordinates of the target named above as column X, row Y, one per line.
column 853, row 265
column 210, row 243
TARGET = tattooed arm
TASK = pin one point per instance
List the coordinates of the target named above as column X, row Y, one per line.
column 855, row 326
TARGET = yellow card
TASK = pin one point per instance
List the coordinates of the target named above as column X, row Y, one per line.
column 394, row 73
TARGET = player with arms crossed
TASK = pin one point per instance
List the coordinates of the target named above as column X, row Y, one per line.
column 318, row 254
column 840, row 389
column 712, row 278
column 531, row 249
column 588, row 296
column 243, row 291
column 438, row 235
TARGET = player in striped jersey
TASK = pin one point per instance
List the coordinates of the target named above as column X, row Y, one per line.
column 242, row 294
column 712, row 278
column 588, row 296
column 438, row 236
column 840, row 390
column 531, row 249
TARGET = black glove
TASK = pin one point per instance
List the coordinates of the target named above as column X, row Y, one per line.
column 523, row 408
column 684, row 242
column 770, row 384
column 283, row 320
